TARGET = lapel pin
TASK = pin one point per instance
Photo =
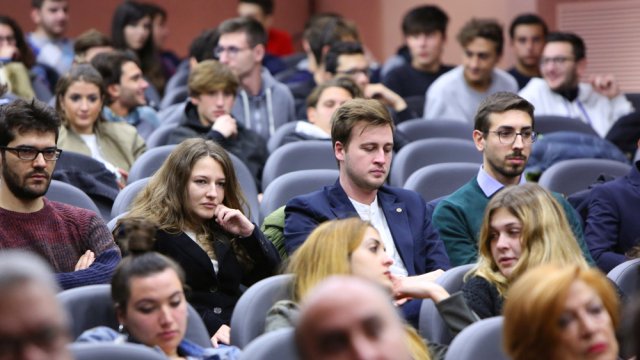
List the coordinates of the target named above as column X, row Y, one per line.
column 398, row 210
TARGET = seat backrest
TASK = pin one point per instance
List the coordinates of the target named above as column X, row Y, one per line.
column 570, row 176
column 149, row 162
column 437, row 180
column 250, row 312
column 627, row 276
column 421, row 153
column 160, row 136
column 174, row 96
column 90, row 306
column 479, row 341
column 69, row 194
column 290, row 185
column 276, row 139
column 545, row 124
column 126, row 196
column 431, row 326
column 300, row 155
column 279, row 344
column 417, row 129
column 110, row 351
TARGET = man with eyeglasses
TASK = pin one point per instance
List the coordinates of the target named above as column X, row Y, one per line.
column 33, row 325
column 456, row 95
column 504, row 133
column 264, row 104
column 347, row 58
column 76, row 242
column 598, row 103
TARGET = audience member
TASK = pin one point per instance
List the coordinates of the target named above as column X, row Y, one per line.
column 527, row 33
column 212, row 92
column 457, row 94
column 79, row 101
column 33, row 325
column 362, row 136
column 131, row 30
column 424, row 29
column 196, row 202
column 265, row 103
column 279, row 42
column 598, row 103
column 504, row 133
column 16, row 60
column 353, row 247
column 148, row 293
column 348, row 318
column 160, row 34
column 323, row 101
column 523, row 226
column 561, row 312
column 48, row 40
column 75, row 241
column 611, row 228
column 348, row 59
column 89, row 44
column 125, row 87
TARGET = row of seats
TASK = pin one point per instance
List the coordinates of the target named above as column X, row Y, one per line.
column 91, row 306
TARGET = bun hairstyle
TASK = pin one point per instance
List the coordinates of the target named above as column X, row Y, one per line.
column 136, row 238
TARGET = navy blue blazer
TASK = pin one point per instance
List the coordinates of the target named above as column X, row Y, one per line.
column 417, row 241
column 612, row 227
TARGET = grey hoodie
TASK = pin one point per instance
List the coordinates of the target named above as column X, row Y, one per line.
column 266, row 111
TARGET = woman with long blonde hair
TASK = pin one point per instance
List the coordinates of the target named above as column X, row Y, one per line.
column 524, row 226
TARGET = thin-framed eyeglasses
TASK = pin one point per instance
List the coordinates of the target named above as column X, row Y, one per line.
column 31, row 153
column 508, row 137
column 556, row 60
column 232, row 51
column 352, row 72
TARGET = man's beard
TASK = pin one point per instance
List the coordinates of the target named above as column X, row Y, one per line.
column 23, row 192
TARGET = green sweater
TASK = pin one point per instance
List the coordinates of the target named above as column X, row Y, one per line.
column 459, row 218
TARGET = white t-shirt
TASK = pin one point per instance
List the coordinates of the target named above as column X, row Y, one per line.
column 92, row 143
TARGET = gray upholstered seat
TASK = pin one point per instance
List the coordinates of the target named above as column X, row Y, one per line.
column 418, row 129
column 438, row 180
column 479, row 341
column 69, row 194
column 570, row 176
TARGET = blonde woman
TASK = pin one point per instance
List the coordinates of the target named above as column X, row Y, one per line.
column 524, row 226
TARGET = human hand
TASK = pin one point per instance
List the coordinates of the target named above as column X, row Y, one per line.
column 233, row 221
column 420, row 287
column 223, row 335
column 85, row 260
column 122, row 178
column 385, row 95
column 226, row 125
column 605, row 85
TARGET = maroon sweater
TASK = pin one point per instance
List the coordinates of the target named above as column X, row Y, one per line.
column 61, row 233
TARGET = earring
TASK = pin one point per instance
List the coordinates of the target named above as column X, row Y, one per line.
column 121, row 329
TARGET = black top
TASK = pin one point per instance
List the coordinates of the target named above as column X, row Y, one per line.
column 482, row 297
column 407, row 81
column 521, row 78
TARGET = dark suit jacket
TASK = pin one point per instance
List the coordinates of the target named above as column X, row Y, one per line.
column 612, row 226
column 215, row 295
column 417, row 241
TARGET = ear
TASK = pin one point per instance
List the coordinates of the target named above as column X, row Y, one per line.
column 120, row 315
column 195, row 100
column 258, row 52
column 339, row 151
column 113, row 91
column 311, row 114
column 35, row 15
column 479, row 140
column 192, row 62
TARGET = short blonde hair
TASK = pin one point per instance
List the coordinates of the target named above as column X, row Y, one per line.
column 536, row 301
column 546, row 234
column 209, row 76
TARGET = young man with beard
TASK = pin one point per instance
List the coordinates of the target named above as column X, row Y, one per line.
column 456, row 94
column 527, row 33
column 504, row 133
column 362, row 136
column 598, row 103
column 125, row 87
column 75, row 241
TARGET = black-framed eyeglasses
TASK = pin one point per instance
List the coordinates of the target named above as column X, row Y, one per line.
column 31, row 153
column 352, row 72
column 232, row 51
column 508, row 137
column 557, row 60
